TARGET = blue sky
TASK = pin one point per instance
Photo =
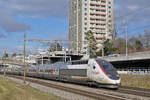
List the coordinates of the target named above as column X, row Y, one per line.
column 48, row 19
column 46, row 28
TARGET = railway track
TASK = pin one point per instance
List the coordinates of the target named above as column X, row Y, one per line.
column 123, row 93
column 90, row 94
column 140, row 92
column 135, row 91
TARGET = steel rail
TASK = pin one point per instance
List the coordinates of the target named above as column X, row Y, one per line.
column 134, row 91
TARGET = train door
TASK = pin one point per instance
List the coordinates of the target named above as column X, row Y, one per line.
column 93, row 69
column 90, row 69
column 89, row 72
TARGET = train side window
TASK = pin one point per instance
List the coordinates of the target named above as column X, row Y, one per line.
column 94, row 67
column 86, row 62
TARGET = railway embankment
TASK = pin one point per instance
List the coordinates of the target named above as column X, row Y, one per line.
column 139, row 81
column 49, row 88
column 78, row 92
column 9, row 90
column 68, row 91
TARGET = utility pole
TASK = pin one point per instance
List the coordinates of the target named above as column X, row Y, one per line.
column 4, row 66
column 102, row 42
column 77, row 27
column 24, row 58
column 103, row 47
column 4, row 63
column 126, row 35
column 65, row 55
column 126, row 40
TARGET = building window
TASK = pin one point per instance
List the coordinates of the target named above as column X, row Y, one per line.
column 103, row 6
column 109, row 20
column 103, row 1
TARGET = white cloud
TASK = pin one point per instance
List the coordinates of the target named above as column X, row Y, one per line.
column 133, row 7
column 29, row 8
column 134, row 11
column 9, row 24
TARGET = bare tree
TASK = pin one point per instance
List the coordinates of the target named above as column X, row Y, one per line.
column 92, row 44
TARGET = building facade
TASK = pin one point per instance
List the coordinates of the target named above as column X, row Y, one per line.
column 94, row 15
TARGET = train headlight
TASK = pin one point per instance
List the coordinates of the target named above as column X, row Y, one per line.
column 118, row 75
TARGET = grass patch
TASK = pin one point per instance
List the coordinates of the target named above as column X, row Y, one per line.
column 12, row 91
column 141, row 81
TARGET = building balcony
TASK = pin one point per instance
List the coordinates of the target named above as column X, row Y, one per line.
column 98, row 22
column 101, row 29
column 93, row 4
column 101, row 38
column 101, row 33
column 92, row 18
column 98, row 12
column 104, row 10
column 103, row 1
column 101, row 22
column 93, row 13
column 96, row 4
column 95, row 18
column 92, row 27
column 104, row 15
column 100, row 26
column 99, row 6
column 98, row 17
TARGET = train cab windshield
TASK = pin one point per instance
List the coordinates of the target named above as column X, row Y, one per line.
column 108, row 69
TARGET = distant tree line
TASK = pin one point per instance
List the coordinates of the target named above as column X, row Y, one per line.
column 55, row 47
column 137, row 43
column 118, row 45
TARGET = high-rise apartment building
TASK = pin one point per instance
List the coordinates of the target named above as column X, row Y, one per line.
column 94, row 15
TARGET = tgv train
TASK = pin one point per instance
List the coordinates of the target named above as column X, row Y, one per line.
column 91, row 72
